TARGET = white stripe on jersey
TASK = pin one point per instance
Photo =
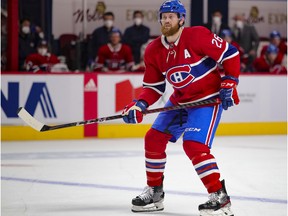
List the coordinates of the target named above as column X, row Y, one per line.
column 226, row 48
column 155, row 89
column 229, row 57
column 205, row 74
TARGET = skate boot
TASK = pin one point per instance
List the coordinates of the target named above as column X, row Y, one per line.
column 218, row 204
column 151, row 199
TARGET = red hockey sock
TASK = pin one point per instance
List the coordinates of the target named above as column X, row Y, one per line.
column 204, row 164
column 155, row 156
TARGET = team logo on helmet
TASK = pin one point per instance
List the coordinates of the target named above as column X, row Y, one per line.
column 179, row 76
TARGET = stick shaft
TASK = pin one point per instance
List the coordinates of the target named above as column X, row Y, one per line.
column 108, row 118
column 22, row 113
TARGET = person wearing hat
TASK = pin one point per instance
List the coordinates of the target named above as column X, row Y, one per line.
column 42, row 61
column 227, row 35
column 267, row 63
column 114, row 56
column 275, row 39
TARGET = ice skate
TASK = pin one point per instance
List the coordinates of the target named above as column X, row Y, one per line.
column 151, row 199
column 218, row 204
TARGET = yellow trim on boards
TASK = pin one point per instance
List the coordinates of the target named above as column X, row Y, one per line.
column 18, row 133
column 139, row 130
column 15, row 133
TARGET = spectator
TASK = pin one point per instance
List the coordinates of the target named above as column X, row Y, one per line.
column 267, row 62
column 100, row 36
column 216, row 25
column 136, row 35
column 27, row 42
column 42, row 61
column 247, row 37
column 275, row 39
column 114, row 56
column 226, row 34
column 29, row 36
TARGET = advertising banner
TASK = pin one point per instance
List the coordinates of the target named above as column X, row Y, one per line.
column 116, row 91
column 266, row 16
column 256, row 95
column 49, row 98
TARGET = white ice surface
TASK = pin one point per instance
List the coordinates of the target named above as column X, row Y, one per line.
column 100, row 177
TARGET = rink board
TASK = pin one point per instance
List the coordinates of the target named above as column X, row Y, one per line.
column 65, row 98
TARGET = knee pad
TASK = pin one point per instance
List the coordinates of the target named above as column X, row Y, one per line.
column 194, row 149
column 156, row 141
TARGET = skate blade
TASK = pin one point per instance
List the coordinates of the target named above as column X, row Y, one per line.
column 225, row 211
column 148, row 208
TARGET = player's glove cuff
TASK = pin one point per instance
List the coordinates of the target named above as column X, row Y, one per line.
column 133, row 112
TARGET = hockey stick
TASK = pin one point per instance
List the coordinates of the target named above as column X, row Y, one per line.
column 37, row 125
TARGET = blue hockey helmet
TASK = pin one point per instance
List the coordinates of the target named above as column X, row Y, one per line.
column 272, row 49
column 226, row 33
column 172, row 6
column 275, row 34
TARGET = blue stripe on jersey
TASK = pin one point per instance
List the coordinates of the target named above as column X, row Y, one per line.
column 158, row 88
column 229, row 52
column 203, row 67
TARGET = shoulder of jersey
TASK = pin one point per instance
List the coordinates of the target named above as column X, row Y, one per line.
column 154, row 44
column 196, row 29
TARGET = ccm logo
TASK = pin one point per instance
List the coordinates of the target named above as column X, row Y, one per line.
column 193, row 129
column 179, row 76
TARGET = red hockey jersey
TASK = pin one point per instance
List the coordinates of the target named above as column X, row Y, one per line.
column 261, row 64
column 39, row 63
column 114, row 58
column 189, row 65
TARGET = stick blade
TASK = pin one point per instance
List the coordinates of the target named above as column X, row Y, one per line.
column 30, row 120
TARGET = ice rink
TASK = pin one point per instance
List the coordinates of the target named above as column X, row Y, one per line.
column 98, row 177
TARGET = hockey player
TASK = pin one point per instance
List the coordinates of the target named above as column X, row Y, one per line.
column 42, row 61
column 114, row 56
column 187, row 58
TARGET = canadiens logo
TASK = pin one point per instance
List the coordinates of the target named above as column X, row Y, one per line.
column 179, row 76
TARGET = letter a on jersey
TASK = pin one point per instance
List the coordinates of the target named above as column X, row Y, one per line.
column 186, row 54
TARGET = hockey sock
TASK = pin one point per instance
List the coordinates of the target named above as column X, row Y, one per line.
column 155, row 156
column 204, row 164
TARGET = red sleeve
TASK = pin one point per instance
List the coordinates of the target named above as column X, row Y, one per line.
column 153, row 81
column 283, row 47
column 263, row 51
column 32, row 61
column 54, row 59
column 210, row 44
column 100, row 59
column 260, row 65
column 128, row 56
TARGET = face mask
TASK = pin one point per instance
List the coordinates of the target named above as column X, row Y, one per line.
column 41, row 35
column 138, row 21
column 216, row 20
column 239, row 24
column 26, row 29
column 108, row 23
column 42, row 51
